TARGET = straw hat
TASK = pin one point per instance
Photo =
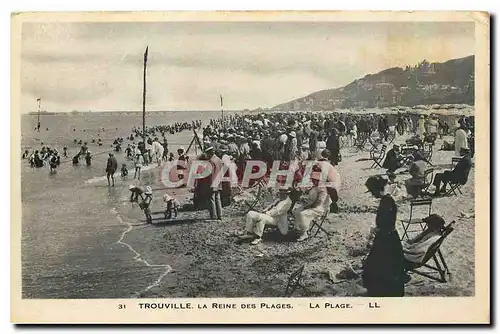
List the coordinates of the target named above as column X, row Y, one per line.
column 148, row 191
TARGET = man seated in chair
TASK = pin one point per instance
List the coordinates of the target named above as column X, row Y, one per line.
column 417, row 169
column 317, row 203
column 274, row 215
column 414, row 250
column 393, row 160
column 458, row 174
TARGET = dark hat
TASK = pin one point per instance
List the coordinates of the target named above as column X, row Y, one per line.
column 326, row 153
column 376, row 183
column 435, row 221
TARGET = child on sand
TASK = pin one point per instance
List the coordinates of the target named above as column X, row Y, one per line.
column 136, row 191
column 170, row 203
column 145, row 204
column 124, row 170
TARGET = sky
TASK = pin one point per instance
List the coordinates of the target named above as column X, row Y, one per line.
column 99, row 66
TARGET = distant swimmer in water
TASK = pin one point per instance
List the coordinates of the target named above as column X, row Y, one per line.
column 124, row 170
column 47, row 129
column 76, row 159
column 88, row 158
column 53, row 163
column 136, row 191
column 128, row 151
column 37, row 162
column 138, row 162
column 83, row 149
column 111, row 167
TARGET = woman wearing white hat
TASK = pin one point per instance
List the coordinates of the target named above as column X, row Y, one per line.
column 317, row 202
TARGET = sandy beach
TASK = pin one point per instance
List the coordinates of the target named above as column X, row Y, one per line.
column 98, row 245
column 207, row 261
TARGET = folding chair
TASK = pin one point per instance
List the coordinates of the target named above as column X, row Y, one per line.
column 319, row 224
column 427, row 152
column 377, row 156
column 455, row 185
column 414, row 221
column 260, row 184
column 360, row 143
column 391, row 137
column 434, row 253
column 374, row 142
column 290, row 216
column 428, row 177
column 294, row 281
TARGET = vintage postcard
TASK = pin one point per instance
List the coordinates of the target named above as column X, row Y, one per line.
column 250, row 167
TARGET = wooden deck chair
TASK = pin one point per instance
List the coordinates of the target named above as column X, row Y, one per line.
column 412, row 221
column 294, row 281
column 434, row 253
column 377, row 156
column 455, row 185
column 318, row 224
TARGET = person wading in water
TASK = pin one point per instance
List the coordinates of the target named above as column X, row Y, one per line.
column 111, row 168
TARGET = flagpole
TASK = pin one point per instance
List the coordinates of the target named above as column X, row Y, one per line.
column 39, row 100
column 222, row 110
column 144, row 96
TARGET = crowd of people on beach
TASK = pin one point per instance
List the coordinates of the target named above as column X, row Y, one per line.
column 279, row 137
column 294, row 139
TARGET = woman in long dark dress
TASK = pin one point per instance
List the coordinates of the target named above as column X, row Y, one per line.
column 383, row 270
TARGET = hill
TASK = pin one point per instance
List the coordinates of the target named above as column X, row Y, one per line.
column 451, row 82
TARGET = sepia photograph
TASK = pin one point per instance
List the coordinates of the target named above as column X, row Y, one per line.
column 244, row 157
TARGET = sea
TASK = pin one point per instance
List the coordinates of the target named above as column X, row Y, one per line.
column 74, row 242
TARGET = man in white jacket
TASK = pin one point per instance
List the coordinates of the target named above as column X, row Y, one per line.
column 274, row 215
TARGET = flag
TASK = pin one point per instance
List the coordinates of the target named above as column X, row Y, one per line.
column 38, row 100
